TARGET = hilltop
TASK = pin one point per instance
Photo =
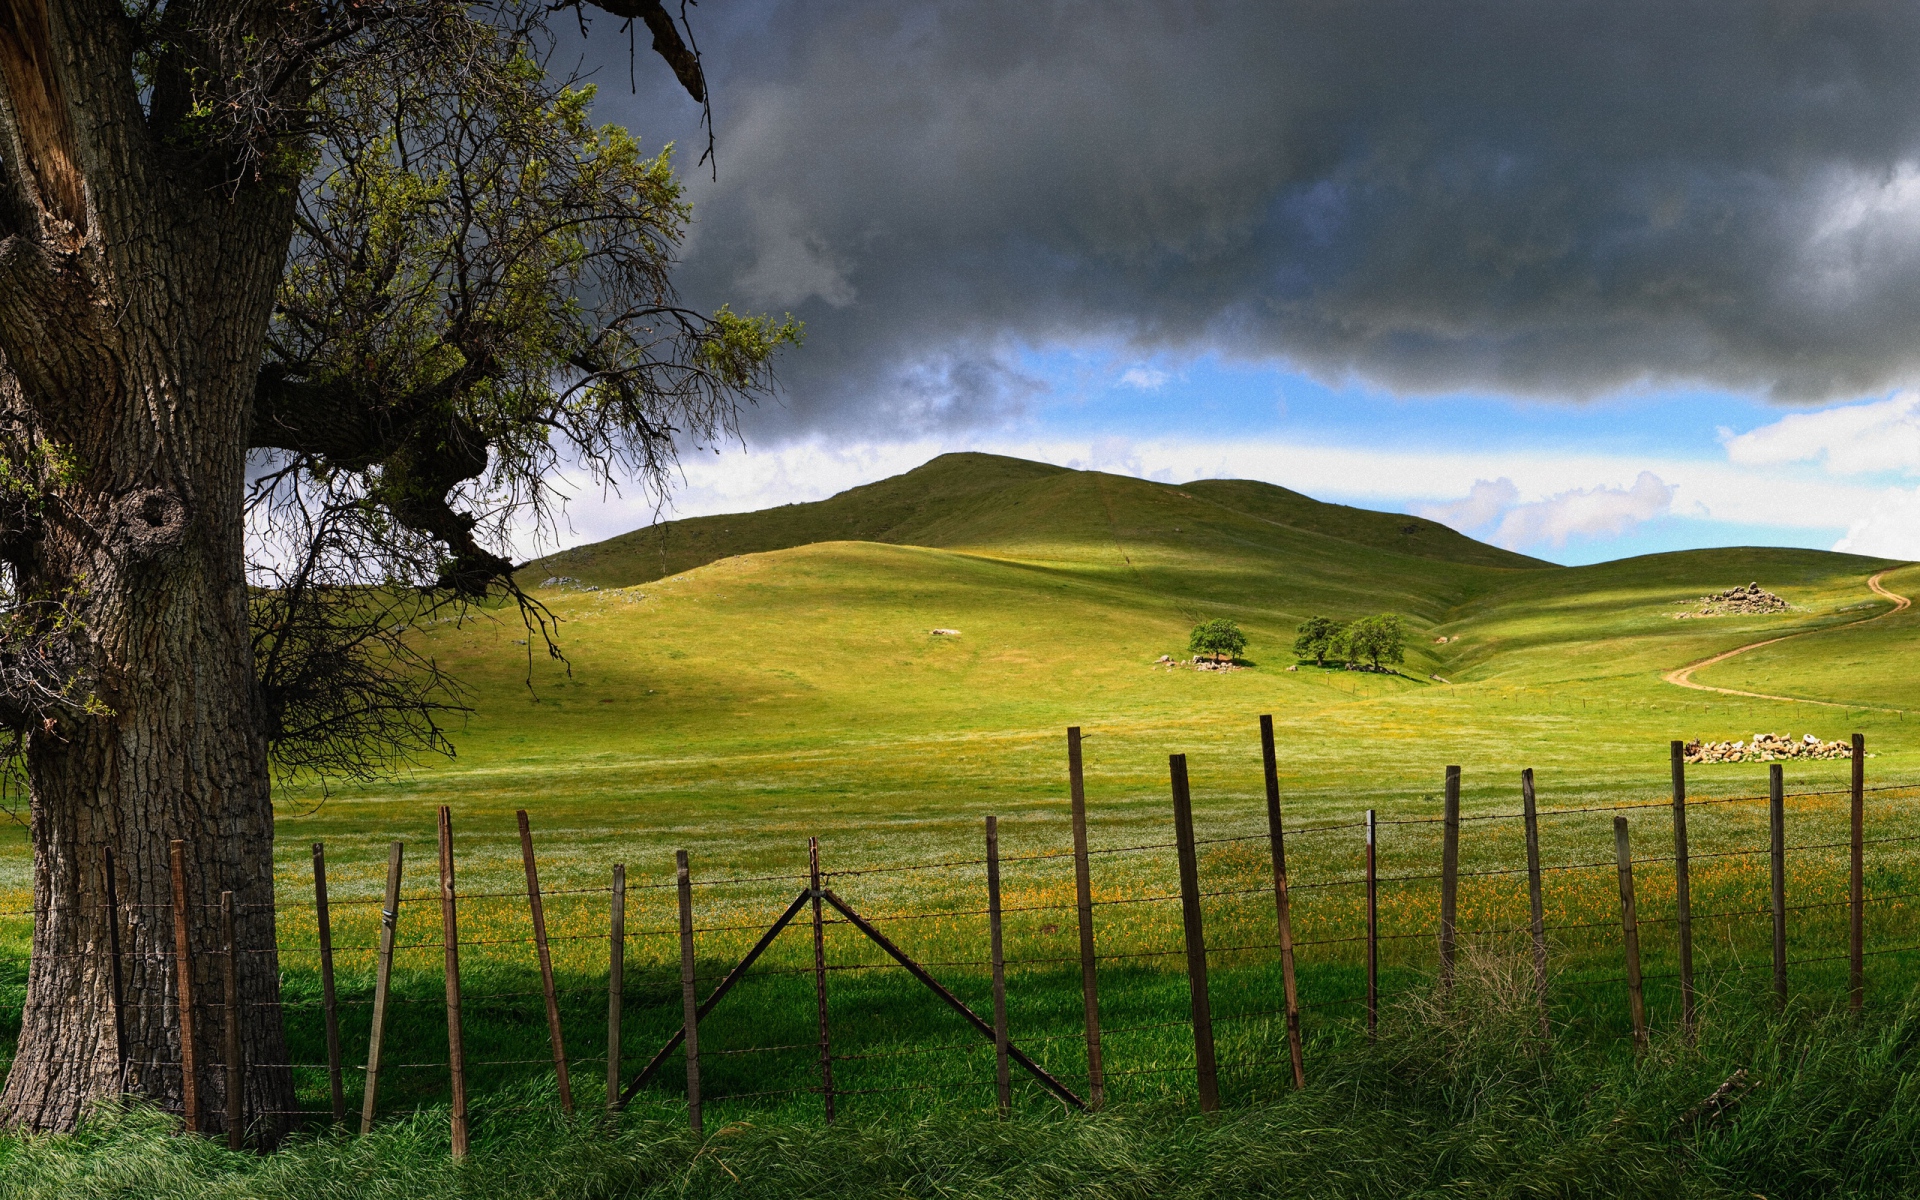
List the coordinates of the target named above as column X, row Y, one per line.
column 984, row 501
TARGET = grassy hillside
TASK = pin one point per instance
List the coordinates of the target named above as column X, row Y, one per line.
column 960, row 500
column 738, row 684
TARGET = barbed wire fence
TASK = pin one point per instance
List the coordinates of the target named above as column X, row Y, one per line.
column 838, row 954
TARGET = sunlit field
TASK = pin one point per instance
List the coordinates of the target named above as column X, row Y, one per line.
column 738, row 707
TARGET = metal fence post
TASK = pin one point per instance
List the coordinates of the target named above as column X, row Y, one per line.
column 1857, row 881
column 1373, row 926
column 1777, row 829
column 1206, row 1068
column 382, row 981
column 1282, row 901
column 1682, row 887
column 536, row 906
column 689, row 1001
column 616, row 981
column 1002, row 1081
column 1083, row 893
column 820, row 976
column 1536, row 907
column 1449, row 878
column 329, row 1004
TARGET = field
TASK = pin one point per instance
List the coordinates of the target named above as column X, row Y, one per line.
column 733, row 686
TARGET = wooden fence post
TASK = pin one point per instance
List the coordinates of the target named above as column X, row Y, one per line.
column 1373, row 927
column 113, row 977
column 1449, row 878
column 183, row 987
column 1536, row 907
column 1857, row 882
column 616, row 981
column 1002, row 1080
column 1083, row 891
column 383, row 976
column 450, row 937
column 1630, row 934
column 1282, row 901
column 1206, row 1068
column 820, row 976
column 1682, row 887
column 1777, row 829
column 690, row 1003
column 236, row 1089
column 330, row 1012
column 537, row 907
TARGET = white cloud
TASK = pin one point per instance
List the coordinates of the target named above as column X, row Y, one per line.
column 1600, row 512
column 1146, row 379
column 1852, row 439
column 1890, row 529
column 1486, row 502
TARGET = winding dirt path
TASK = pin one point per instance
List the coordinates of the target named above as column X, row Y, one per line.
column 1683, row 676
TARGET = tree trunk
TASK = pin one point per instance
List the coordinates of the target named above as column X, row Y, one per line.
column 135, row 287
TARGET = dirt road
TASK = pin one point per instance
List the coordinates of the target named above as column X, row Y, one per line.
column 1683, row 677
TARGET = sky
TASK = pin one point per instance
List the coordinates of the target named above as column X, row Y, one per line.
column 1582, row 280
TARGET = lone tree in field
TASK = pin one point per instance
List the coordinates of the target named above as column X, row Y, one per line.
column 1315, row 638
column 1220, row 638
column 299, row 304
column 1379, row 639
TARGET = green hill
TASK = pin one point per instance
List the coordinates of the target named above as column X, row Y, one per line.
column 984, row 501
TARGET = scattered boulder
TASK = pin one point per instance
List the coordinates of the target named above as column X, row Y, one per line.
column 1766, row 747
column 945, row 632
column 1748, row 600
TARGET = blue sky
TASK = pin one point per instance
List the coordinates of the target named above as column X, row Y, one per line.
column 1588, row 281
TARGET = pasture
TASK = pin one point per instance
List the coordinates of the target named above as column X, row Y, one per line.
column 789, row 687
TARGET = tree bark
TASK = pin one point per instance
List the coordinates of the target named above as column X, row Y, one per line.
column 132, row 326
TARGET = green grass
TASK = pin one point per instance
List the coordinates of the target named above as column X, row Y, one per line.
column 740, row 683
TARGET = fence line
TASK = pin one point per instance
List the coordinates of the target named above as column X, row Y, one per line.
column 220, row 1079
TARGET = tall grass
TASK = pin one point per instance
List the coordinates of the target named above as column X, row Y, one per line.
column 1459, row 1096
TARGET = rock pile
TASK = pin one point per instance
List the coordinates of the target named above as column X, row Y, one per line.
column 568, row 582
column 1766, row 747
column 1738, row 600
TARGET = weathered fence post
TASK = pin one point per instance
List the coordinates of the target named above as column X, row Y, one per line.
column 1449, row 878
column 382, row 978
column 1682, row 887
column 689, row 1002
column 1373, row 928
column 1002, row 1080
column 1282, row 901
column 1536, row 907
column 183, row 987
column 450, row 937
column 329, row 1005
column 1777, row 830
column 1206, row 1069
column 616, row 981
column 1630, row 933
column 113, row 976
column 820, row 976
column 1857, row 882
column 537, row 907
column 1083, row 892
column 236, row 1088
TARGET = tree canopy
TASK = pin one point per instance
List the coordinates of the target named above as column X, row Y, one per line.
column 1219, row 637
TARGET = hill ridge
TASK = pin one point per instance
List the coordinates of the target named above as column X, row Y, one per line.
column 974, row 500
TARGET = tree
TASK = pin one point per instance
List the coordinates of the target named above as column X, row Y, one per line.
column 1378, row 639
column 1220, row 638
column 1316, row 638
column 371, row 256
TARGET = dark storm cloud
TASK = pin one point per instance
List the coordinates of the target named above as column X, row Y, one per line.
column 1546, row 199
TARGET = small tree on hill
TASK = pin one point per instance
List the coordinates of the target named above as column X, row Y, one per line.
column 1316, row 639
column 1220, row 638
column 1378, row 639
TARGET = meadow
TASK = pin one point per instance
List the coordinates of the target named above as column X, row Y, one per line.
column 735, row 685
